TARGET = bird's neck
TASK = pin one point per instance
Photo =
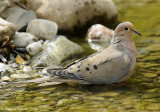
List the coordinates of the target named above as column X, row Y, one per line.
column 123, row 44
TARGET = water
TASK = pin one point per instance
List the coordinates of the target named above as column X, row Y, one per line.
column 139, row 93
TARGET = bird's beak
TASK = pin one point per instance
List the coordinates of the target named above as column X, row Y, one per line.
column 135, row 31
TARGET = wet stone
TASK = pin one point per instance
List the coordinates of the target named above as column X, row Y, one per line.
column 19, row 76
column 27, row 69
column 6, row 79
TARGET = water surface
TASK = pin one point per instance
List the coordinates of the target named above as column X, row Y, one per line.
column 140, row 93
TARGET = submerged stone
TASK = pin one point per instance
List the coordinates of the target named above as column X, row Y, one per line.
column 6, row 79
column 19, row 76
column 6, row 29
column 27, row 69
column 56, row 52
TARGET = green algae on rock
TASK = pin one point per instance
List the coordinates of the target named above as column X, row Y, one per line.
column 56, row 52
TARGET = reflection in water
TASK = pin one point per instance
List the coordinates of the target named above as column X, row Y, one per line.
column 140, row 93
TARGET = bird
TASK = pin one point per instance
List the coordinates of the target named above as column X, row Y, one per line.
column 99, row 37
column 114, row 64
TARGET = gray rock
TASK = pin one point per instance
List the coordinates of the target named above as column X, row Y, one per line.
column 2, row 67
column 69, row 14
column 6, row 29
column 20, row 17
column 43, row 29
column 34, row 48
column 3, row 6
column 5, row 70
column 22, row 40
column 55, row 52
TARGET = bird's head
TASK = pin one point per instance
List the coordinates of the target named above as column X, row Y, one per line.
column 126, row 29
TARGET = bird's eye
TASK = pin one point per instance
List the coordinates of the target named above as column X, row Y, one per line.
column 126, row 28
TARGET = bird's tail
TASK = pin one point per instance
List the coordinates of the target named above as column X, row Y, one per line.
column 67, row 77
column 61, row 72
column 55, row 72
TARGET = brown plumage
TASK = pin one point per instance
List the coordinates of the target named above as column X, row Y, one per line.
column 111, row 65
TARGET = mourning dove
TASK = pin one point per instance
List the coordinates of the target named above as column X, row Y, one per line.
column 99, row 37
column 111, row 65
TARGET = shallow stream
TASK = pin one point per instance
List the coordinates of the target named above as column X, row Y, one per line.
column 140, row 93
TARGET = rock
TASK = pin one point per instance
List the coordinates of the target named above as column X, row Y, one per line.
column 2, row 67
column 55, row 52
column 45, row 44
column 43, row 29
column 19, row 60
column 6, row 29
column 5, row 70
column 6, row 79
column 22, row 40
column 27, row 69
column 3, row 6
column 99, row 37
column 34, row 48
column 20, row 17
column 70, row 14
column 19, row 76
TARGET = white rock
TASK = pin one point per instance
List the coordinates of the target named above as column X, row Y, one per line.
column 6, row 29
column 45, row 44
column 43, row 29
column 69, row 14
column 34, row 48
column 99, row 36
column 14, row 76
column 5, row 70
column 19, row 76
column 27, row 69
column 20, row 17
column 22, row 39
column 56, row 52
column 2, row 67
column 6, row 79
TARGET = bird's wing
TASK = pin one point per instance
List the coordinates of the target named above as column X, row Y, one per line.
column 96, row 66
column 70, row 71
column 108, row 65
column 112, row 68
